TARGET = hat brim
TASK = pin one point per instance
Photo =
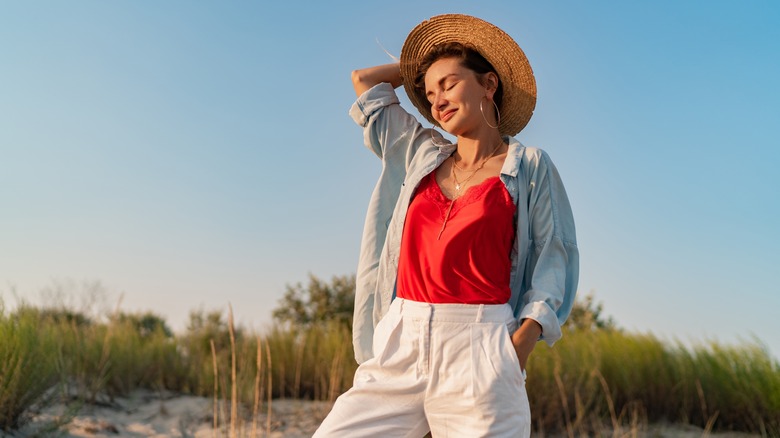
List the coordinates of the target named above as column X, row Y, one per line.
column 495, row 45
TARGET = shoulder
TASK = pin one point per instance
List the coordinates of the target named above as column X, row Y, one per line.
column 535, row 156
column 521, row 158
column 536, row 162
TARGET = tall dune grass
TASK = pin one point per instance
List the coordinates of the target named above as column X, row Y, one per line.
column 592, row 382
column 627, row 378
column 27, row 370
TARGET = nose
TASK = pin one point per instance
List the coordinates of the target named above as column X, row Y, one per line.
column 439, row 101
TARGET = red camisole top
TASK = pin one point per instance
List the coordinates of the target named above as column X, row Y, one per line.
column 459, row 254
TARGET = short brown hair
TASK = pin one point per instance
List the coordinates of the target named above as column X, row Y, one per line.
column 468, row 57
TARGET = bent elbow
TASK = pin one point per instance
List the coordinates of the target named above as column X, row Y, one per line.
column 361, row 81
column 357, row 77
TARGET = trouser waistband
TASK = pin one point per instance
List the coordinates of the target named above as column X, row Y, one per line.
column 452, row 312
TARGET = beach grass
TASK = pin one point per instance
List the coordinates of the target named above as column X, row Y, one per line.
column 590, row 377
column 595, row 381
column 27, row 368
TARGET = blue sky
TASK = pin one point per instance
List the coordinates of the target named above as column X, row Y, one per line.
column 190, row 154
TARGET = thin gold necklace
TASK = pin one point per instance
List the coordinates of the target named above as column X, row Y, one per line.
column 458, row 184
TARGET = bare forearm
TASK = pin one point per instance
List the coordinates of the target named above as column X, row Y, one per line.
column 366, row 78
column 525, row 338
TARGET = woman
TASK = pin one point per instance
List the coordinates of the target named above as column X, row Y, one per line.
column 468, row 255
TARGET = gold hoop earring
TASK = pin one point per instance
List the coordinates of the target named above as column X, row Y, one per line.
column 498, row 114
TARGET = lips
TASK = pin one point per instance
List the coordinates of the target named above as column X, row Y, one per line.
column 446, row 115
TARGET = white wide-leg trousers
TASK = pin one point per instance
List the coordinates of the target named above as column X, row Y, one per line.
column 447, row 368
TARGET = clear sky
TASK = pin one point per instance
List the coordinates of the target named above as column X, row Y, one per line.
column 191, row 154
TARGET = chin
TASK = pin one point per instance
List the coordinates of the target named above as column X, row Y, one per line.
column 455, row 130
column 451, row 128
column 459, row 127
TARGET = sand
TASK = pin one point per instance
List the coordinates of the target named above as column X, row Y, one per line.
column 149, row 414
column 152, row 414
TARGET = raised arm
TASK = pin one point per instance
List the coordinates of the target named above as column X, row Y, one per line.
column 366, row 78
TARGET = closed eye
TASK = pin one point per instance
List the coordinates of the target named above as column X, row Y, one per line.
column 430, row 94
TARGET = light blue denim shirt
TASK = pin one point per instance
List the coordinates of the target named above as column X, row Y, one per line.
column 545, row 259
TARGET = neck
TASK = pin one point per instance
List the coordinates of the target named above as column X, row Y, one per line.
column 472, row 151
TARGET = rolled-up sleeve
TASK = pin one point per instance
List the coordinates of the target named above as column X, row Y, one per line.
column 389, row 131
column 552, row 269
column 373, row 99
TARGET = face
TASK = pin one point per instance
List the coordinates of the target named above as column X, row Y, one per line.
column 455, row 93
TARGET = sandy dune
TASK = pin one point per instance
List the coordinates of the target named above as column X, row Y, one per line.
column 148, row 414
column 151, row 414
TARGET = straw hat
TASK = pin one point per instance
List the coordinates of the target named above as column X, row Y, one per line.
column 494, row 44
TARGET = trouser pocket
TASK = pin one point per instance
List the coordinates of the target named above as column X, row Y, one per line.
column 387, row 334
column 496, row 373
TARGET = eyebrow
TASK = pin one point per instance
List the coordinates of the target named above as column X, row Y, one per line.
column 441, row 81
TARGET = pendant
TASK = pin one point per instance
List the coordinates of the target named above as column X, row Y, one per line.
column 457, row 187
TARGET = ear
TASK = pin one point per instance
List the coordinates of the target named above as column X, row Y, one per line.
column 490, row 82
